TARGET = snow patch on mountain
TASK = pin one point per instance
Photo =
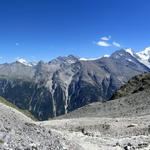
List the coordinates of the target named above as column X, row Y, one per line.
column 25, row 62
column 144, row 56
column 129, row 50
column 130, row 60
column 106, row 55
column 90, row 59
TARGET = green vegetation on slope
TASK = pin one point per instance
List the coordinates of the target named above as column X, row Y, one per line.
column 25, row 112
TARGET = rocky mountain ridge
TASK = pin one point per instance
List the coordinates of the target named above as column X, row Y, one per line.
column 66, row 83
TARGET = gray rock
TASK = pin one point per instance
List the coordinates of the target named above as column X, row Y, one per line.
column 66, row 83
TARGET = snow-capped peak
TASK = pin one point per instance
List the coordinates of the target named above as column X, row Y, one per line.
column 129, row 50
column 23, row 61
column 106, row 55
column 147, row 50
column 144, row 56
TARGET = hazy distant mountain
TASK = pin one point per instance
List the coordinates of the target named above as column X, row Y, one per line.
column 66, row 83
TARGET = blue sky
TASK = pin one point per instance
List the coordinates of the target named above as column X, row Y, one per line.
column 45, row 29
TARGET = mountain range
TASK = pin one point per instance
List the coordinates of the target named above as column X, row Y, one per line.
column 50, row 89
column 118, row 124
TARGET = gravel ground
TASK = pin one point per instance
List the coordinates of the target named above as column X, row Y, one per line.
column 17, row 132
column 122, row 124
column 105, row 133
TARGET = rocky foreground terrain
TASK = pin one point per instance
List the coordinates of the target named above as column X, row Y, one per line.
column 120, row 124
column 18, row 132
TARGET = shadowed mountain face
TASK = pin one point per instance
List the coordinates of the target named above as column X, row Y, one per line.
column 66, row 83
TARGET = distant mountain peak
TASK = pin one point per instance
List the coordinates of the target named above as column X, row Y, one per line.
column 147, row 49
column 144, row 56
column 70, row 59
column 122, row 54
column 57, row 87
column 130, row 51
column 25, row 62
column 106, row 55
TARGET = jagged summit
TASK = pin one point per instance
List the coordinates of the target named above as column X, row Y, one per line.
column 25, row 62
column 130, row 51
column 65, row 59
column 142, row 56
